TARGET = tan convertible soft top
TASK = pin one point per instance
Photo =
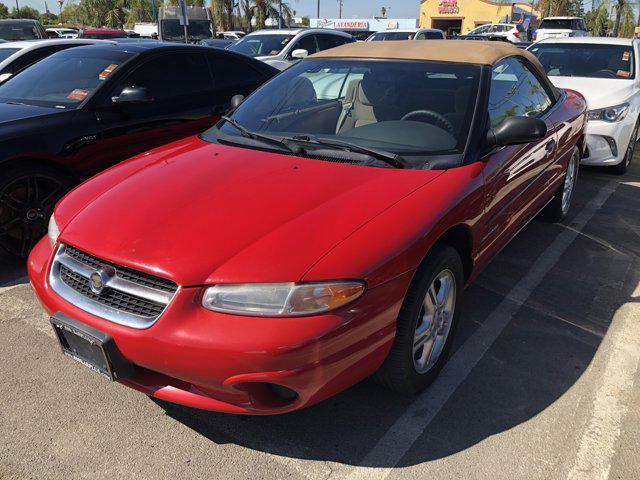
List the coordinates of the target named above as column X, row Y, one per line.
column 458, row 51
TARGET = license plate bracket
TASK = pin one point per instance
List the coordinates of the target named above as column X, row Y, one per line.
column 92, row 348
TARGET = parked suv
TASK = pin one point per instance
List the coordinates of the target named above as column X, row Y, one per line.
column 515, row 33
column 21, row 29
column 283, row 48
column 84, row 109
column 554, row 27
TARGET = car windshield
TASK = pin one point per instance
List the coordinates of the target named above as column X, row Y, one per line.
column 382, row 36
column 7, row 52
column 63, row 80
column 408, row 108
column 261, row 45
column 557, row 24
column 18, row 31
column 196, row 30
column 586, row 60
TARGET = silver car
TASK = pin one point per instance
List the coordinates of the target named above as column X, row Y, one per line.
column 16, row 56
column 283, row 48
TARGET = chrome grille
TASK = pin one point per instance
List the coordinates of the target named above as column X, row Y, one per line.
column 132, row 298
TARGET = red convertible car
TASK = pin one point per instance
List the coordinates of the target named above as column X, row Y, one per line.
column 321, row 234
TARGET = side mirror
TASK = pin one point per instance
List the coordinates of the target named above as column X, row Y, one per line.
column 236, row 101
column 515, row 131
column 300, row 53
column 133, row 95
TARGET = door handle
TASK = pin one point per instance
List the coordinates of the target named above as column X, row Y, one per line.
column 550, row 146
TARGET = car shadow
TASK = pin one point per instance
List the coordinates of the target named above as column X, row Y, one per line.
column 542, row 352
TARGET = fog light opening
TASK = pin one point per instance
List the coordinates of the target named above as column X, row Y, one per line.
column 284, row 394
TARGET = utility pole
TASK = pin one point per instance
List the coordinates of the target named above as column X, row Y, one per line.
column 280, row 23
column 339, row 3
column 17, row 9
column 318, row 9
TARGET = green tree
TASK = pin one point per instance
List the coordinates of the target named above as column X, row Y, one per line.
column 26, row 12
column 48, row 18
column 139, row 11
column 598, row 21
column 4, row 11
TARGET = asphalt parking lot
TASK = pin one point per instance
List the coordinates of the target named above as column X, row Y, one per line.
column 543, row 384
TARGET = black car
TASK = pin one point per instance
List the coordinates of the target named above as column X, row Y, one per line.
column 82, row 110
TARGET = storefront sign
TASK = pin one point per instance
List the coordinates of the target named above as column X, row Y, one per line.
column 351, row 24
column 448, row 6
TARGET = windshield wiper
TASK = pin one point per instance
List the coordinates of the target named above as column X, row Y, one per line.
column 246, row 133
column 389, row 158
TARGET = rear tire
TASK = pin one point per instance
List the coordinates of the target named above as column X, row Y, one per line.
column 623, row 166
column 426, row 324
column 28, row 193
column 559, row 207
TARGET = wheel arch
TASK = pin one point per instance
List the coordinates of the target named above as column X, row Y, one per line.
column 460, row 238
column 23, row 160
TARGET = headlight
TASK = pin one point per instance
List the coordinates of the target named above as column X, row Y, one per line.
column 281, row 299
column 609, row 114
column 54, row 231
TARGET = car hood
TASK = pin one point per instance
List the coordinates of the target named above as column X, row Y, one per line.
column 599, row 92
column 10, row 112
column 202, row 213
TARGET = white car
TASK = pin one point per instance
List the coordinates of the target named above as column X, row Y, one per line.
column 408, row 34
column 283, row 48
column 515, row 33
column 231, row 35
column 16, row 56
column 62, row 33
column 605, row 72
column 557, row 27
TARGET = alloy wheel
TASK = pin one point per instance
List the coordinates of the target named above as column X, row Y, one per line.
column 434, row 323
column 25, row 206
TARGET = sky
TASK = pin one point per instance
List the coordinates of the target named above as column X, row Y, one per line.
column 328, row 8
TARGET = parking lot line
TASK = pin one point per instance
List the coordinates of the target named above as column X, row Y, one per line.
column 610, row 404
column 397, row 441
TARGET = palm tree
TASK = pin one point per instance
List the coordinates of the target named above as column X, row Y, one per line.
column 264, row 9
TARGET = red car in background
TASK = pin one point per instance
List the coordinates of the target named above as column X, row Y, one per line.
column 102, row 33
column 321, row 234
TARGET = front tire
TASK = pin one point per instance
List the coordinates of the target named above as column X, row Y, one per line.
column 623, row 166
column 28, row 193
column 559, row 206
column 426, row 324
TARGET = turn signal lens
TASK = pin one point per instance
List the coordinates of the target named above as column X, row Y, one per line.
column 281, row 299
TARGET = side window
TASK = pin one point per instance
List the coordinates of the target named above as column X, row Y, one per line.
column 308, row 43
column 515, row 91
column 325, row 42
column 172, row 75
column 433, row 36
column 228, row 71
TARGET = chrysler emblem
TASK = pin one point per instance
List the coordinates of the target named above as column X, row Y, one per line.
column 98, row 280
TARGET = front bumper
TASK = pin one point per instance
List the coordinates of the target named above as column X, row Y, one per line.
column 599, row 138
column 229, row 363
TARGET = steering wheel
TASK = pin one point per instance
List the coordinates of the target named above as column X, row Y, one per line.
column 440, row 120
column 606, row 73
